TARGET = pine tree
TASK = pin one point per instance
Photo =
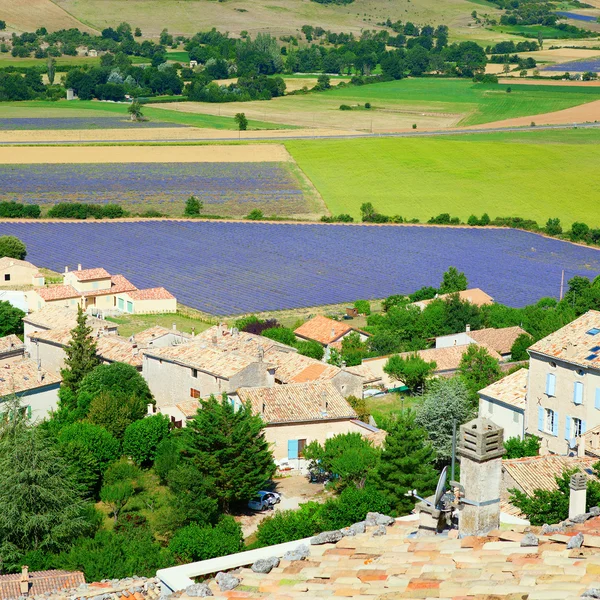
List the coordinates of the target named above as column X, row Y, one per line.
column 81, row 354
column 406, row 463
column 228, row 447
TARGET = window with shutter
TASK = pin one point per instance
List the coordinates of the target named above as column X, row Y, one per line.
column 578, row 392
column 540, row 419
column 568, row 428
column 555, row 424
column 550, row 384
column 292, row 448
column 597, row 399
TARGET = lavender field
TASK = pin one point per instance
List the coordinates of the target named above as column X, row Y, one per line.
column 577, row 66
column 233, row 268
column 87, row 122
column 229, row 189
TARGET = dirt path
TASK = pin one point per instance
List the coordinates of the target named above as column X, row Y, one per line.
column 145, row 154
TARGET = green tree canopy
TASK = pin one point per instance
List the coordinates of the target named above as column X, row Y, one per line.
column 143, row 437
column 115, row 412
column 478, row 369
column 453, row 280
column 11, row 319
column 518, row 351
column 518, row 448
column 228, row 447
column 12, row 247
column 413, row 371
column 406, row 463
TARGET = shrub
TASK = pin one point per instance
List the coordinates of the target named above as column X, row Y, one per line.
column 194, row 542
column 363, row 307
column 345, row 107
column 310, row 348
column 367, row 105
column 289, row 525
column 143, row 437
column 553, row 227
column 14, row 210
column 103, row 446
column 283, row 335
column 352, row 506
column 193, row 206
column 517, row 448
column 255, row 215
column 167, row 457
column 578, row 231
column 414, row 126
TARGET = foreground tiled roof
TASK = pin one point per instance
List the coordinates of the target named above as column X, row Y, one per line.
column 474, row 296
column 10, row 343
column 90, row 274
column 296, row 368
column 501, row 340
column 575, row 342
column 511, row 390
column 58, row 292
column 41, row 582
column 397, row 565
column 323, row 330
column 6, row 262
column 118, row 284
column 297, row 402
column 158, row 293
column 447, row 359
column 61, row 317
column 24, row 375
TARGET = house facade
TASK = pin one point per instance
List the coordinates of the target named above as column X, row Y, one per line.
column 19, row 272
column 475, row 296
column 499, row 340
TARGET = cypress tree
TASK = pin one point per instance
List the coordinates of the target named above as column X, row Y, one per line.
column 81, row 354
column 406, row 463
column 228, row 448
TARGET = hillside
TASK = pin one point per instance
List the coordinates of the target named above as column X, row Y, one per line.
column 276, row 16
column 28, row 15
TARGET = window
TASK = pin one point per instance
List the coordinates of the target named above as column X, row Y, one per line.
column 129, row 306
column 550, row 384
column 301, row 446
column 195, row 373
column 515, row 417
column 194, row 393
column 6, row 276
column 121, row 304
column 547, row 420
column 296, row 448
column 580, row 372
column 597, row 399
column 576, row 427
column 95, row 285
column 578, row 393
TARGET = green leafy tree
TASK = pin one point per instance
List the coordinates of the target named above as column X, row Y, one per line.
column 80, row 359
column 283, row 335
column 413, row 371
column 579, row 231
column 51, row 67
column 229, row 447
column 288, row 525
column 453, row 280
column 349, row 457
column 553, row 227
column 446, row 401
column 478, row 369
column 116, row 412
column 363, row 307
column 518, row 350
column 193, row 543
column 116, row 496
column 406, row 463
column 41, row 505
column 242, row 121
column 360, row 407
column 143, row 437
column 310, row 348
column 518, row 448
column 135, row 111
column 193, row 206
column 352, row 506
column 12, row 247
column 168, row 456
column 11, row 319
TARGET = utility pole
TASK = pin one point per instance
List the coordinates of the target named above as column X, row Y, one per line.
column 562, row 284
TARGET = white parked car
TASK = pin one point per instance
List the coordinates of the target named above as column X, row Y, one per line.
column 264, row 500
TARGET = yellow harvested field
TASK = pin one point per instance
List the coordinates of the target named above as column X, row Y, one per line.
column 584, row 113
column 324, row 113
column 558, row 55
column 28, row 15
column 145, row 154
column 494, row 69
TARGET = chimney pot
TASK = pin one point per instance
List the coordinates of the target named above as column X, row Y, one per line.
column 577, row 495
column 174, row 326
column 66, row 269
column 24, row 581
column 79, row 267
column 468, row 328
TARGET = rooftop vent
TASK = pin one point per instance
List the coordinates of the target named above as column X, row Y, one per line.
column 593, row 331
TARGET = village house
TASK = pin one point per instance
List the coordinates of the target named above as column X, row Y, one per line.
column 98, row 290
column 19, row 272
column 36, row 388
column 327, row 332
column 504, row 402
column 474, row 296
column 501, row 340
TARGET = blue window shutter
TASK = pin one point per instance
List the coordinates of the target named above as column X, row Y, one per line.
column 540, row 418
column 583, row 427
column 578, row 392
column 568, row 428
column 597, row 402
column 550, row 384
column 292, row 448
column 555, row 429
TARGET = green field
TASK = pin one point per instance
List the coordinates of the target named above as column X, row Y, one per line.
column 535, row 175
column 532, row 31
column 79, row 108
column 179, row 56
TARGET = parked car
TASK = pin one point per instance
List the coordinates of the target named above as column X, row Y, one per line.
column 264, row 501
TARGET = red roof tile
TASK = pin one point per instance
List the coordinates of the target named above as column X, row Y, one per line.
column 40, row 582
column 91, row 274
column 158, row 293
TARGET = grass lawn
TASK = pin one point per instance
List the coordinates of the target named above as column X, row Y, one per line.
column 180, row 56
column 383, row 407
column 533, row 174
column 80, row 108
column 6, row 60
column 131, row 324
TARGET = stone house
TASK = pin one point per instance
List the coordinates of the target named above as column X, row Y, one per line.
column 19, row 272
column 475, row 296
column 499, row 340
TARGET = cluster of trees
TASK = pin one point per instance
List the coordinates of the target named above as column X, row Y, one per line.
column 80, row 210
column 15, row 210
column 17, row 86
column 202, row 88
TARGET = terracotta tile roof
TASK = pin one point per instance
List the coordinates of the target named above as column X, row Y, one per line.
column 24, row 375
column 118, row 284
column 41, row 582
column 297, row 402
column 511, row 390
column 296, row 368
column 6, row 262
column 365, row 372
column 154, row 333
column 61, row 317
column 158, row 293
column 399, row 565
column 575, row 342
column 474, row 296
column 91, row 274
column 189, row 408
column 447, row 359
column 58, row 292
column 501, row 340
column 216, row 362
column 10, row 343
column 323, row 330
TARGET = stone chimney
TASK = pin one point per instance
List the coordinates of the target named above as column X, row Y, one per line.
column 79, row 267
column 480, row 447
column 24, row 581
column 468, row 328
column 66, row 270
column 577, row 496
